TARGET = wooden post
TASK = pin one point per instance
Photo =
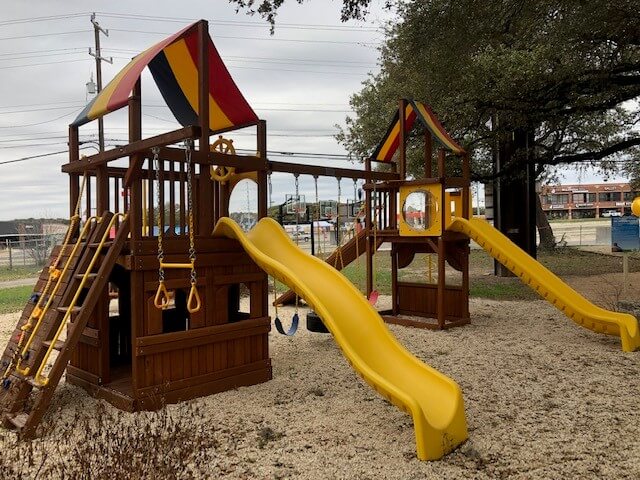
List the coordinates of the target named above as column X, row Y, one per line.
column 394, row 279
column 428, row 153
column 441, row 243
column 466, row 178
column 135, row 223
column 74, row 179
column 402, row 147
column 368, row 225
column 393, row 209
column 205, row 214
column 135, row 133
column 441, row 283
column 465, row 282
column 102, row 190
column 262, row 174
column 263, row 207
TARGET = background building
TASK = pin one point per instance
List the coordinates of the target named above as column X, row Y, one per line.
column 587, row 200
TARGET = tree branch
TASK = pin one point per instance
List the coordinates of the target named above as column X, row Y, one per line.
column 599, row 155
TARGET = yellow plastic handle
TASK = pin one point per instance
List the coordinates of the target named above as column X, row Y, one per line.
column 193, row 302
column 221, row 174
column 161, row 300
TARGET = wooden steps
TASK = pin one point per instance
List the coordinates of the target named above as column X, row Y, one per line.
column 25, row 403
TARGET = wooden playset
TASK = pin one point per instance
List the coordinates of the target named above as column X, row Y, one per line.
column 141, row 305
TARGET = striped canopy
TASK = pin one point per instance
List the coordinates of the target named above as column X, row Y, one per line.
column 389, row 145
column 173, row 62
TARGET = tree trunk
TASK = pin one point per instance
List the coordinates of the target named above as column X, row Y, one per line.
column 547, row 239
column 514, row 194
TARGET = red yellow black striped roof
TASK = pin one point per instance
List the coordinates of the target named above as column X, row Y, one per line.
column 174, row 66
column 413, row 110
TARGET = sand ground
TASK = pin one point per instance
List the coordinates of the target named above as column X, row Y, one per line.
column 544, row 398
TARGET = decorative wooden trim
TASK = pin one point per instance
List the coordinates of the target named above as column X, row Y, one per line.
column 330, row 172
column 117, row 399
column 221, row 385
column 166, row 342
column 405, row 322
column 203, row 379
column 83, row 374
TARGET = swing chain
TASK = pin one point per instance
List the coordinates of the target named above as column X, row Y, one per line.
column 192, row 250
column 156, row 167
column 315, row 182
column 270, row 189
column 338, row 208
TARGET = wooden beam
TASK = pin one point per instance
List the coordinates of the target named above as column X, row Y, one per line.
column 135, row 125
column 402, row 147
column 74, row 179
column 203, row 214
column 329, row 171
column 135, row 133
column 428, row 153
column 140, row 146
column 262, row 176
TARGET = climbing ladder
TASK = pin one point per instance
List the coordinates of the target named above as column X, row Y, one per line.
column 33, row 380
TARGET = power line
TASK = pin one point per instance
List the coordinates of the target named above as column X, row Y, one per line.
column 42, row 63
column 75, row 110
column 32, row 157
column 296, row 71
column 39, row 104
column 42, row 53
column 40, row 109
column 42, row 19
column 243, row 57
column 44, row 35
column 271, row 109
column 307, row 26
column 271, row 39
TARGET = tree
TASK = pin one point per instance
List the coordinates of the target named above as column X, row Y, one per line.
column 268, row 9
column 560, row 72
column 563, row 72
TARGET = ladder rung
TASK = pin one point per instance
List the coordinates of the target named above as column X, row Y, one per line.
column 32, row 381
column 75, row 309
column 27, row 379
column 59, row 345
column 18, row 420
column 90, row 276
column 97, row 244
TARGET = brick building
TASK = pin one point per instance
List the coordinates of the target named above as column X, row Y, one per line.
column 587, row 200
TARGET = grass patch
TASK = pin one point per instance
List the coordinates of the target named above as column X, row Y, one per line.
column 14, row 299
column 564, row 262
column 496, row 288
column 16, row 273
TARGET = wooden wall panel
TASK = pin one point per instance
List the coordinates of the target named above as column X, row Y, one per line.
column 420, row 300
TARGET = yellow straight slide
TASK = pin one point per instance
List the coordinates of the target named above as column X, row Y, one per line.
column 433, row 399
column 548, row 285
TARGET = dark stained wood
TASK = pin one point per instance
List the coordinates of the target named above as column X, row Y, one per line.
column 402, row 146
column 140, row 146
column 330, row 172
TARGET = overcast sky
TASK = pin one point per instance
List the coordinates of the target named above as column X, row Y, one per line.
column 299, row 80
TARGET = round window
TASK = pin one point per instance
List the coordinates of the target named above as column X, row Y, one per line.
column 415, row 210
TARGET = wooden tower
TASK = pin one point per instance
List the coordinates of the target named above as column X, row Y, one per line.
column 95, row 314
column 445, row 189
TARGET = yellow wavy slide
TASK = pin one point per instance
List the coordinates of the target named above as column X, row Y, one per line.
column 548, row 285
column 431, row 398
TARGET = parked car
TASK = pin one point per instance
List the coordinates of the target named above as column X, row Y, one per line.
column 611, row 213
column 304, row 236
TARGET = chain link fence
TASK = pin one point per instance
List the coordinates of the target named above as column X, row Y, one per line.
column 28, row 250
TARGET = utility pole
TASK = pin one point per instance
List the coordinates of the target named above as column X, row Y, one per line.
column 97, row 29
